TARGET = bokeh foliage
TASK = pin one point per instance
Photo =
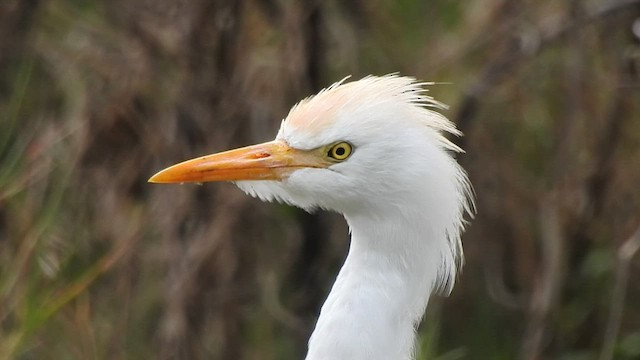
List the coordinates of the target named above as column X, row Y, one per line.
column 97, row 95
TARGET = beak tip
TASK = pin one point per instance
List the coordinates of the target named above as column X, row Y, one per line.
column 156, row 179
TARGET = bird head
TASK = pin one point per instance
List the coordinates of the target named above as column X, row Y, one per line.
column 373, row 150
column 371, row 144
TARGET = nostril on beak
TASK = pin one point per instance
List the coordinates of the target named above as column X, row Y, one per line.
column 262, row 155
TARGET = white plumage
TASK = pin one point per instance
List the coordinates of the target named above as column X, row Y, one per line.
column 402, row 193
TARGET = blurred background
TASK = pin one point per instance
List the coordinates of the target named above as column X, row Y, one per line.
column 96, row 96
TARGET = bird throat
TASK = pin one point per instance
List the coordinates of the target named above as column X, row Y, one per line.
column 380, row 293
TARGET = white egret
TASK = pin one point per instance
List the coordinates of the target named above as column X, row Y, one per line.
column 373, row 151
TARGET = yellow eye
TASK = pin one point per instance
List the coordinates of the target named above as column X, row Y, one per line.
column 340, row 151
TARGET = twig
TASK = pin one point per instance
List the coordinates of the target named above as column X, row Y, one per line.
column 515, row 54
column 547, row 290
column 626, row 252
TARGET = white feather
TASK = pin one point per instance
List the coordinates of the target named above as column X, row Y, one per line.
column 404, row 197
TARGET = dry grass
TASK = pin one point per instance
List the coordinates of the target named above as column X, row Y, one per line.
column 96, row 96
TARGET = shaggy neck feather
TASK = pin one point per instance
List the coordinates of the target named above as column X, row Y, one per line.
column 380, row 293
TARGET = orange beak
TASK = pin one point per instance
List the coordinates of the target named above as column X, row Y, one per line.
column 273, row 160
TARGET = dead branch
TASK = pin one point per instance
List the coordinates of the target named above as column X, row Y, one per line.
column 625, row 254
column 547, row 290
column 516, row 52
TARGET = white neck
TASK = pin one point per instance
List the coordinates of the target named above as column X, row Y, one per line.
column 381, row 291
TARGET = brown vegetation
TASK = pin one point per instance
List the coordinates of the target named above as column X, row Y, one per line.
column 97, row 95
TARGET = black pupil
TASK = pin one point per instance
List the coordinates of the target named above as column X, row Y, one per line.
column 340, row 151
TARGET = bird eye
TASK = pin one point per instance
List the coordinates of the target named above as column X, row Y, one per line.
column 340, row 151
